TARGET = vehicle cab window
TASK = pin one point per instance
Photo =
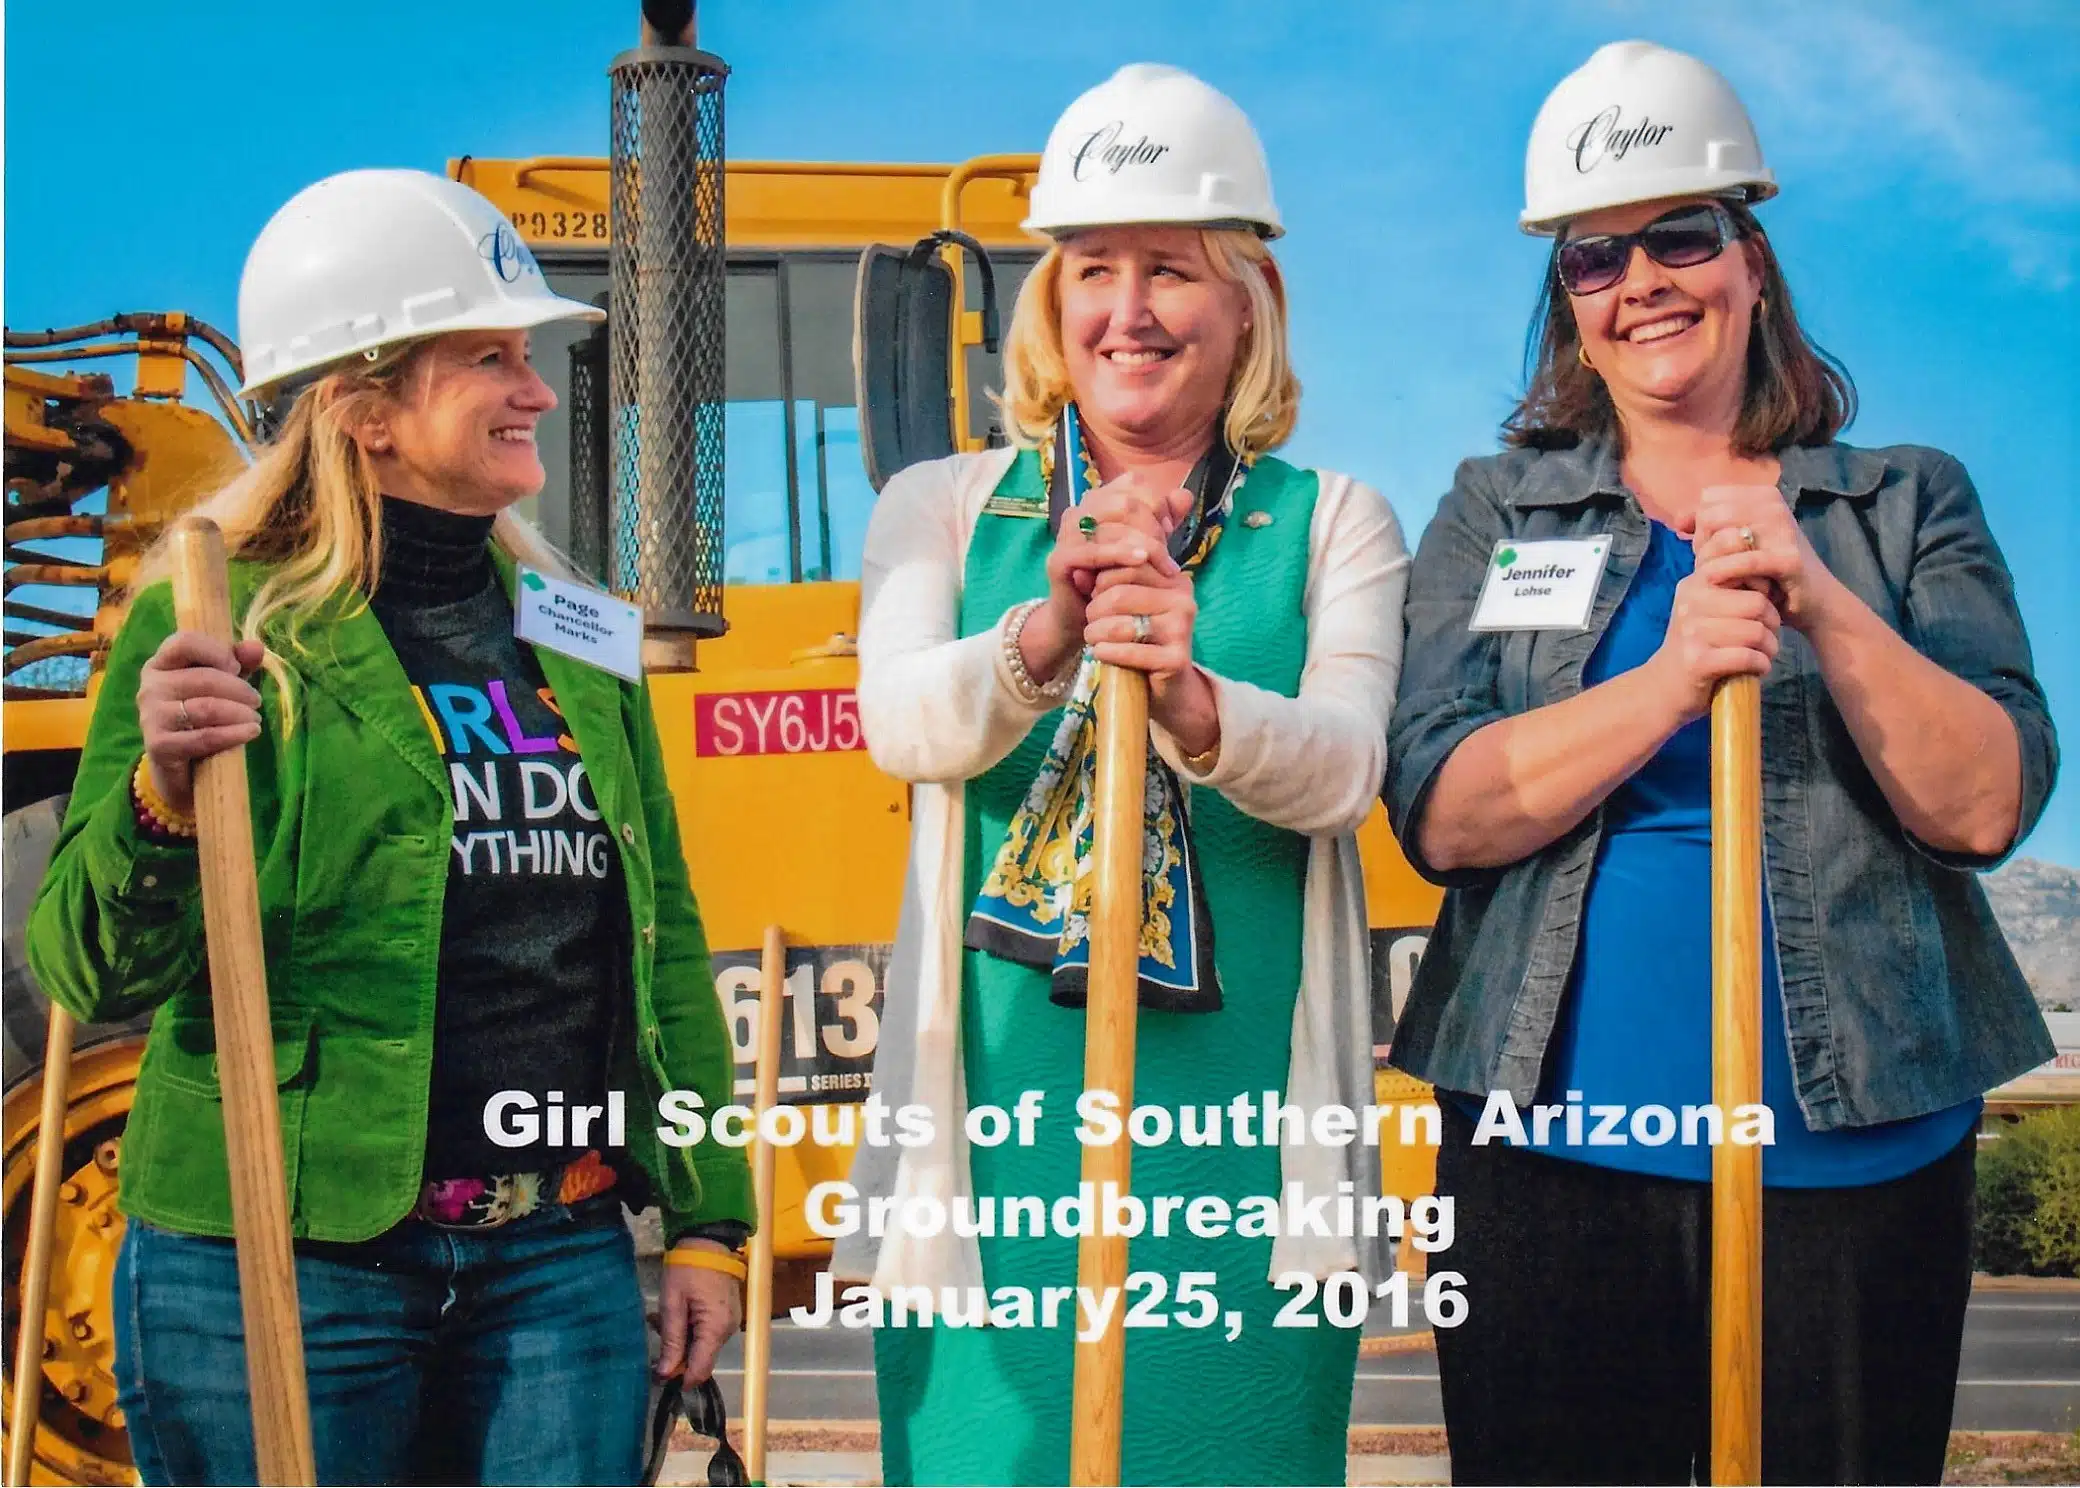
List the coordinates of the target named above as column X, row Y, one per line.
column 796, row 498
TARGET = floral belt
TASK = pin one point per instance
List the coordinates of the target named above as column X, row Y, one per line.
column 484, row 1203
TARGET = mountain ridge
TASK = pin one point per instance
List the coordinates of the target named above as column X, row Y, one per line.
column 2038, row 907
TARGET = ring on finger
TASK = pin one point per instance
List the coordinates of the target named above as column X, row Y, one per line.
column 1087, row 525
column 181, row 720
column 1144, row 629
column 1747, row 535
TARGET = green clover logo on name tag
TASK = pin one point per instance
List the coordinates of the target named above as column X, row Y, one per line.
column 534, row 581
column 1505, row 558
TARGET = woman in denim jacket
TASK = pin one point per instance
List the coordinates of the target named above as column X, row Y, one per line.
column 1677, row 443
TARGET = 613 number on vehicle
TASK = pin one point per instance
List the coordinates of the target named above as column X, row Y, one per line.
column 831, row 1001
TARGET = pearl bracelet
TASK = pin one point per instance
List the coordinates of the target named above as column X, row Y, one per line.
column 1028, row 690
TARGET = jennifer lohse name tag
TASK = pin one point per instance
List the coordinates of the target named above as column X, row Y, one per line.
column 1541, row 585
column 579, row 622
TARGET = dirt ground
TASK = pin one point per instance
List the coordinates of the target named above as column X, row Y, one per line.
column 1991, row 1457
column 2013, row 1457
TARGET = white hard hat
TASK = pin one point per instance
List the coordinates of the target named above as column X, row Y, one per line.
column 1638, row 122
column 369, row 258
column 1152, row 144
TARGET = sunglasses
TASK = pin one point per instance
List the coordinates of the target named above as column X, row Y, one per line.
column 707, row 1415
column 1678, row 239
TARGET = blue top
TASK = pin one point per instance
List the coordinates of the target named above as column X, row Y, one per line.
column 1902, row 994
column 1635, row 1026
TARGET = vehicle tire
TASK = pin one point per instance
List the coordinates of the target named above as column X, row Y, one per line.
column 27, row 836
column 79, row 1437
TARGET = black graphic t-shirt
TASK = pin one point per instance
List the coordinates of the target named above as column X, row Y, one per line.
column 532, row 940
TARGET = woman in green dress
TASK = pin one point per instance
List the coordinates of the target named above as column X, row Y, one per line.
column 1140, row 520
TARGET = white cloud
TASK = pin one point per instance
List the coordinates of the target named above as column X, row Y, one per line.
column 2041, row 255
column 1879, row 103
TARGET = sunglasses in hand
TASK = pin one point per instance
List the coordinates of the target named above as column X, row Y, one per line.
column 1678, row 239
column 708, row 1416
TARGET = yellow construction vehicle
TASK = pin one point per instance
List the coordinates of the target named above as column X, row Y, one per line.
column 785, row 819
column 847, row 352
column 92, row 477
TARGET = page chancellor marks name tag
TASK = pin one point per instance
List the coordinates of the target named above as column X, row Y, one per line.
column 1548, row 585
column 579, row 622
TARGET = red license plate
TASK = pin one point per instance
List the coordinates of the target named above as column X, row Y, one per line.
column 822, row 721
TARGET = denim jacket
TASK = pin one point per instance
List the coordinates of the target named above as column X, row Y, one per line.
column 1900, row 994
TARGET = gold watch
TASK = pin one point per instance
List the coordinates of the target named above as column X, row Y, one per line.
column 1202, row 764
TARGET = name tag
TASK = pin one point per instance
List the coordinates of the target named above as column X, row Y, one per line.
column 1000, row 505
column 1541, row 585
column 579, row 622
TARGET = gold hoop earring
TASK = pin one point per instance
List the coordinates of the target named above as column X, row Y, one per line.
column 1762, row 304
column 1581, row 354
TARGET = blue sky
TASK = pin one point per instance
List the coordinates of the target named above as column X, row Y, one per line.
column 1929, row 156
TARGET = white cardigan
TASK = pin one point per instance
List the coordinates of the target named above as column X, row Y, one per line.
column 939, row 708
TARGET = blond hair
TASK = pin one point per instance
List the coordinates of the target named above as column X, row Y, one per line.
column 1263, row 395
column 311, row 507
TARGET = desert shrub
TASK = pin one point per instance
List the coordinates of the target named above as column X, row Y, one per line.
column 2028, row 1219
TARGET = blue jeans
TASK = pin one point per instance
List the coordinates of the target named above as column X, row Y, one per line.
column 508, row 1355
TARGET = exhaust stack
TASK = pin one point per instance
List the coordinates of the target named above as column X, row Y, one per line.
column 665, row 354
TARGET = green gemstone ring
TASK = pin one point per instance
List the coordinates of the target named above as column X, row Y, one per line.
column 1087, row 525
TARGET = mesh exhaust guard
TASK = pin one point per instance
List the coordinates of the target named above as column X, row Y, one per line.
column 665, row 376
column 590, row 457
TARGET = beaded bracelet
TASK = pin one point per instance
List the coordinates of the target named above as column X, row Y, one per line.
column 153, row 810
column 1202, row 763
column 708, row 1260
column 1028, row 690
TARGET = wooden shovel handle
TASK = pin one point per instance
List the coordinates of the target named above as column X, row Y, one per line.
column 245, row 1052
column 1736, row 1304
column 1108, row 1061
column 36, row 1266
column 758, row 1287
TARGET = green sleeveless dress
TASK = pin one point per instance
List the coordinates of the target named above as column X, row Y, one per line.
column 992, row 1405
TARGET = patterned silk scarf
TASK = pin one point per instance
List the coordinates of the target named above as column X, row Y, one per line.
column 1035, row 904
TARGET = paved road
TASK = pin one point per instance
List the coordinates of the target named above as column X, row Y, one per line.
column 2021, row 1371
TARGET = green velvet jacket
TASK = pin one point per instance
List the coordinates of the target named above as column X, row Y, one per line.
column 352, row 815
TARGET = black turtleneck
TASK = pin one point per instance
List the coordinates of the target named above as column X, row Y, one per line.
column 533, row 948
column 430, row 556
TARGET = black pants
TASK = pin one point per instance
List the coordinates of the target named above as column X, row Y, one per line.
column 1583, row 1357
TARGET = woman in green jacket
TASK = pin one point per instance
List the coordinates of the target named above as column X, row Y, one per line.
column 484, row 959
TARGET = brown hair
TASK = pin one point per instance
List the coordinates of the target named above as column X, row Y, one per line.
column 1796, row 394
